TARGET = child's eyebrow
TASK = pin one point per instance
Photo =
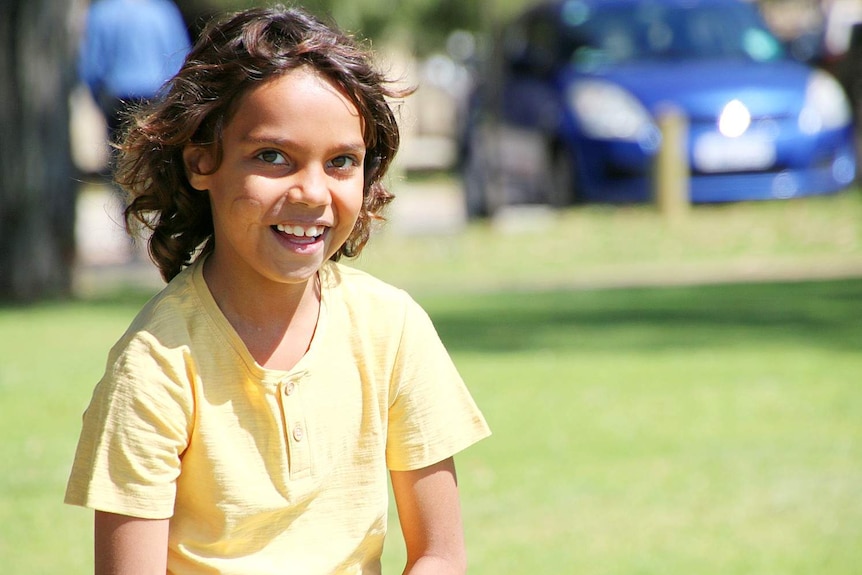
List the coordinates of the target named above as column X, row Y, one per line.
column 356, row 147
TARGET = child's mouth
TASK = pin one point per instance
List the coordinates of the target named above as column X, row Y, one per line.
column 302, row 234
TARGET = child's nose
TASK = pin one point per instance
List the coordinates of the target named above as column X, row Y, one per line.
column 309, row 187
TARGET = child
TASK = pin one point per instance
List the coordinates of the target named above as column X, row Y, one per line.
column 247, row 419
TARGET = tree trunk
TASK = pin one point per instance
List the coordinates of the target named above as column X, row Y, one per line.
column 37, row 176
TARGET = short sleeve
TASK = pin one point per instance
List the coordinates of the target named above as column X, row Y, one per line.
column 134, row 432
column 432, row 415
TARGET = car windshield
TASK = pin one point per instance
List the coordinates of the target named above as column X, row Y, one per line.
column 648, row 31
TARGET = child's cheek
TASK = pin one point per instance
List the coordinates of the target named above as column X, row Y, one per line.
column 247, row 209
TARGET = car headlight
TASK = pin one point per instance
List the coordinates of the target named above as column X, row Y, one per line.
column 826, row 107
column 608, row 112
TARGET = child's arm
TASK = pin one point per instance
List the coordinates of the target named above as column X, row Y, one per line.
column 129, row 545
column 430, row 515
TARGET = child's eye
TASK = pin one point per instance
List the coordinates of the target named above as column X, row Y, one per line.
column 342, row 162
column 272, row 157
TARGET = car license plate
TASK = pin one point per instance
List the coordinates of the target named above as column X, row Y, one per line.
column 716, row 153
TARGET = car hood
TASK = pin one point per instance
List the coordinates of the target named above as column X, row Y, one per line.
column 703, row 88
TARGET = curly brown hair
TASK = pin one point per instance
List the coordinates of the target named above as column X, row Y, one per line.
column 231, row 56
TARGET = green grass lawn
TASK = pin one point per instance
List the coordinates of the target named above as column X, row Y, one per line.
column 708, row 430
column 701, row 429
column 711, row 429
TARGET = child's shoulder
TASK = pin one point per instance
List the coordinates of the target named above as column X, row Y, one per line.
column 170, row 310
column 345, row 277
column 359, row 289
column 375, row 309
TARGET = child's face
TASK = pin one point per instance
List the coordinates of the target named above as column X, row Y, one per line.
column 289, row 189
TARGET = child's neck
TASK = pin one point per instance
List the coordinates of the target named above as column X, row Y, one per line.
column 277, row 328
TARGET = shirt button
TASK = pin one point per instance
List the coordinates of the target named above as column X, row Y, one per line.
column 289, row 388
column 298, row 433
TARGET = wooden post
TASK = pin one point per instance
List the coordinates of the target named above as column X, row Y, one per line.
column 671, row 170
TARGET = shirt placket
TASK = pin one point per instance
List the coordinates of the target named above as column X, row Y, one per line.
column 295, row 427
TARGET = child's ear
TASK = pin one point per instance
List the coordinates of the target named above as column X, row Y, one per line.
column 199, row 165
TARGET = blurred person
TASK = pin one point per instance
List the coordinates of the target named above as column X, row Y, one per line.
column 251, row 417
column 129, row 49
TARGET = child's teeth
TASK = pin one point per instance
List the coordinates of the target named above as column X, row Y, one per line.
column 299, row 231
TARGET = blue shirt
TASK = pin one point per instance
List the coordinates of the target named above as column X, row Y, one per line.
column 131, row 47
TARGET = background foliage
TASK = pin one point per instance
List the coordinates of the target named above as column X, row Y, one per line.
column 422, row 24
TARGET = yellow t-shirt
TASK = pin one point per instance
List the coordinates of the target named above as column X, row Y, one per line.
column 265, row 471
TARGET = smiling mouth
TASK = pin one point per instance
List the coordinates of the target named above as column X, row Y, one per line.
column 300, row 231
column 307, row 233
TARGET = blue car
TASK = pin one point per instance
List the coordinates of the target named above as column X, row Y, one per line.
column 570, row 106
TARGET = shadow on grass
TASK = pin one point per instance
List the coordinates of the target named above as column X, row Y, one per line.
column 816, row 314
column 825, row 315
column 123, row 297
